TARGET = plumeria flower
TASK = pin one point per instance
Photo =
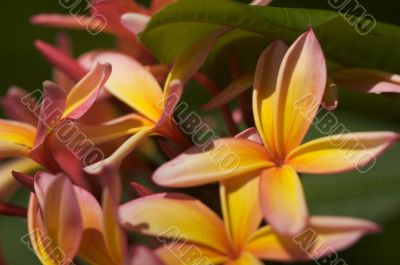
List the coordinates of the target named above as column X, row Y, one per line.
column 191, row 233
column 288, row 88
column 136, row 87
column 66, row 221
column 131, row 83
column 20, row 139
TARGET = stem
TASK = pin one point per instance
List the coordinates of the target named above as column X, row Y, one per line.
column 213, row 89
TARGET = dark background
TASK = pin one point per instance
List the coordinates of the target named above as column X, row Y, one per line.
column 21, row 65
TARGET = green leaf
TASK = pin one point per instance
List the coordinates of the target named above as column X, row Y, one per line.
column 185, row 22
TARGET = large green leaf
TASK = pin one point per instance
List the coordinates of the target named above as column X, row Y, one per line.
column 183, row 23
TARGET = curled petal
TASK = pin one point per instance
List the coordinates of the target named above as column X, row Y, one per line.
column 330, row 99
column 218, row 160
column 343, row 152
column 84, row 94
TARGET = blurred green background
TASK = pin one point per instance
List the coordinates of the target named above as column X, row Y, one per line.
column 375, row 195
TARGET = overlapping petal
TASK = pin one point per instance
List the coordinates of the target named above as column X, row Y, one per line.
column 189, row 254
column 55, row 223
column 282, row 200
column 84, row 94
column 241, row 208
column 265, row 94
column 218, row 160
column 175, row 217
column 130, row 82
column 300, row 87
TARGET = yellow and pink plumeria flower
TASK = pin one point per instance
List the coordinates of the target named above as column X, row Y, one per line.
column 66, row 221
column 33, row 146
column 191, row 233
column 288, row 87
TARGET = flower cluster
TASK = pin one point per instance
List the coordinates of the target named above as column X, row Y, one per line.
column 108, row 115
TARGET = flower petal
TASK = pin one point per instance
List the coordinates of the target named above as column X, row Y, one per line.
column 175, row 217
column 14, row 108
column 264, row 93
column 16, row 138
column 300, row 88
column 260, row 2
column 342, row 152
column 338, row 233
column 51, row 111
column 324, row 236
column 12, row 210
column 142, row 255
column 246, row 259
column 241, row 208
column 61, row 60
column 367, row 80
column 218, row 160
column 60, row 211
column 135, row 22
column 93, row 248
column 84, row 94
column 121, row 153
column 130, row 82
column 8, row 185
column 60, row 21
column 330, row 98
column 237, row 87
column 114, row 129
column 113, row 234
column 189, row 254
column 282, row 200
column 268, row 245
